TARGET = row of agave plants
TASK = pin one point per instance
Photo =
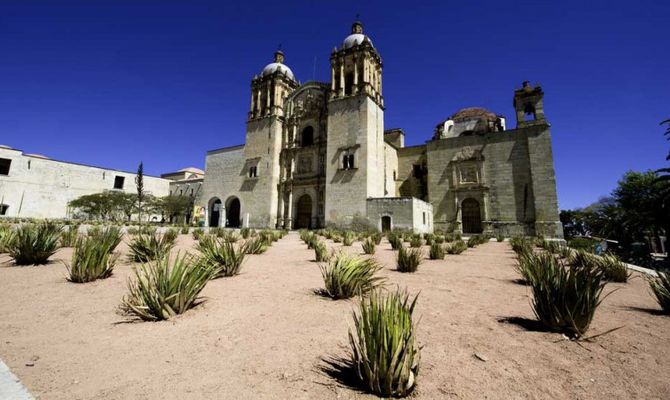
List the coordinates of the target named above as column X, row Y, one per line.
column 567, row 285
column 163, row 286
column 384, row 355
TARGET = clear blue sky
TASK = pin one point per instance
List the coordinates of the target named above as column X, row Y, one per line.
column 111, row 83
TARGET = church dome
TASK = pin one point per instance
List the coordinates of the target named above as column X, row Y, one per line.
column 357, row 37
column 278, row 66
column 474, row 113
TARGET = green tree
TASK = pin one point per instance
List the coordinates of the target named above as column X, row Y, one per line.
column 173, row 206
column 96, row 206
column 139, row 182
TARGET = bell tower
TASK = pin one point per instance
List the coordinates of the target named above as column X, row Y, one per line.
column 529, row 105
column 355, row 148
column 268, row 90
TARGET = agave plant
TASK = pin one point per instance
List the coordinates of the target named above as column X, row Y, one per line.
column 500, row 238
column 395, row 240
column 184, row 230
column 163, row 289
column 197, row 233
column 348, row 238
column 415, row 242
column 565, row 299
column 409, row 259
column 107, row 238
column 229, row 236
column 456, row 247
column 7, row 235
column 68, row 238
column 436, row 251
column 144, row 247
column 245, row 233
column 93, row 258
column 384, row 352
column 369, row 246
column 660, row 287
column 220, row 256
column 376, row 237
column 347, row 275
column 257, row 245
column 171, row 234
column 35, row 243
column 521, row 244
column 615, row 270
column 529, row 265
column 321, row 252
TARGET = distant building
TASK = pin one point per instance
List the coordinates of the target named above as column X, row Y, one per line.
column 34, row 186
column 317, row 154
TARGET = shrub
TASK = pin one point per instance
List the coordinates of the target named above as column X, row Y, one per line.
column 255, row 246
column 337, row 238
column 500, row 238
column 565, row 299
column 245, row 232
column 184, row 230
column 583, row 243
column 476, row 240
column 415, row 242
column 376, row 237
column 321, row 252
column 216, row 231
column 107, row 238
column 171, row 234
column 93, row 258
column 131, row 231
column 348, row 238
column 7, row 235
column 436, row 252
column 529, row 265
column 347, row 275
column 521, row 244
column 162, row 289
column 384, row 353
column 369, row 246
column 457, row 247
column 438, row 239
column 409, row 259
column 197, row 233
column 551, row 246
column 228, row 236
column 615, row 270
column 35, row 243
column 221, row 257
column 396, row 241
column 144, row 247
column 68, row 238
column 660, row 287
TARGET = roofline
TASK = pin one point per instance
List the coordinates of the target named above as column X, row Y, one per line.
column 44, row 158
column 228, row 148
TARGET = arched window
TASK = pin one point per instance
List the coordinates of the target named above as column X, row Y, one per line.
column 348, row 83
column 307, row 136
column 529, row 110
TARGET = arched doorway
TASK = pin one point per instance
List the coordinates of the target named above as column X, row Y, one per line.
column 214, row 212
column 386, row 223
column 307, row 136
column 471, row 216
column 303, row 215
column 233, row 212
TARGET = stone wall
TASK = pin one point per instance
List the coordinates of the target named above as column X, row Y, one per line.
column 406, row 213
column 37, row 187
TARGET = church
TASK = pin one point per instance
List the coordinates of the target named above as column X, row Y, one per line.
column 317, row 154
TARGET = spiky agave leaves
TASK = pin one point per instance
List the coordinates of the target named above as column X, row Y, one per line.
column 565, row 299
column 346, row 276
column 385, row 355
column 69, row 237
column 408, row 260
column 7, row 235
column 94, row 257
column 35, row 243
column 145, row 247
column 222, row 257
column 436, row 251
column 162, row 289
column 257, row 245
column 395, row 240
column 660, row 287
column 615, row 270
column 369, row 246
column 456, row 247
column 321, row 252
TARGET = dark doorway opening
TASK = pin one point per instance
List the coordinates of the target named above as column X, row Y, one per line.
column 303, row 218
column 471, row 215
column 386, row 223
column 233, row 213
column 214, row 213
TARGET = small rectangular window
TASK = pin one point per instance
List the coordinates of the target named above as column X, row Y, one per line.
column 118, row 182
column 4, row 166
column 3, row 209
column 424, row 218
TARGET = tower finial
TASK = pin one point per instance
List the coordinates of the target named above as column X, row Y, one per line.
column 357, row 27
column 279, row 55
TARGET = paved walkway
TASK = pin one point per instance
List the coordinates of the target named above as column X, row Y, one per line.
column 10, row 386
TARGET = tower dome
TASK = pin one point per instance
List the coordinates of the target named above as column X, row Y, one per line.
column 357, row 37
column 278, row 65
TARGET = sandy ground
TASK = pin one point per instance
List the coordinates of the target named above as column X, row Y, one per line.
column 263, row 335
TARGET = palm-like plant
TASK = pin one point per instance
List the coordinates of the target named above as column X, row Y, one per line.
column 35, row 243
column 162, row 289
column 369, row 246
column 347, row 276
column 93, row 258
column 145, row 247
column 384, row 352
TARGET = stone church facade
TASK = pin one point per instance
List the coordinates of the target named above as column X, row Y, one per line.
column 317, row 154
